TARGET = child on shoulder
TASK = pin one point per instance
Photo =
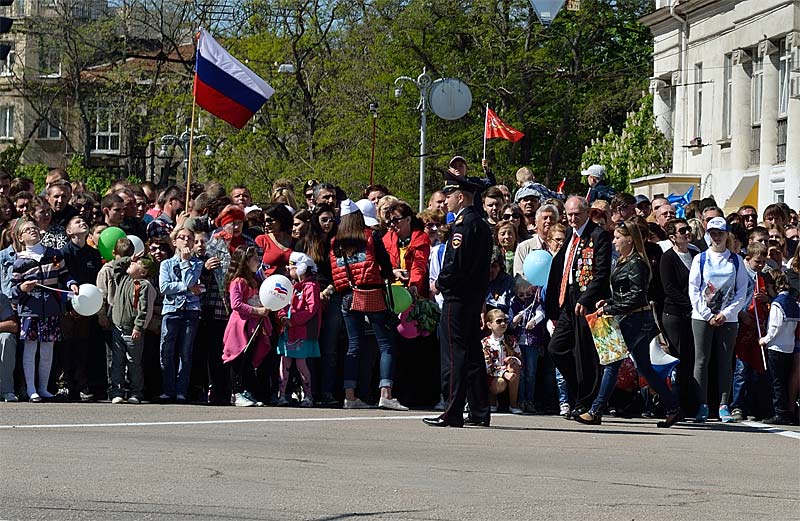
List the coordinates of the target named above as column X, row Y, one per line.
column 301, row 322
column 503, row 364
column 246, row 339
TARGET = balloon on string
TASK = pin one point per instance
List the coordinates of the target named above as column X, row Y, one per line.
column 108, row 240
column 275, row 292
column 138, row 244
column 88, row 301
column 536, row 267
column 401, row 298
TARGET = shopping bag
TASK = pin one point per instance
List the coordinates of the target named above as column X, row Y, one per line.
column 607, row 338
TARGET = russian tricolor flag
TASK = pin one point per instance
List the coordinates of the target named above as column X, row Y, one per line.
column 224, row 86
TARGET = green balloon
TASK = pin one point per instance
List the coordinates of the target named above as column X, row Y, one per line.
column 108, row 240
column 401, row 297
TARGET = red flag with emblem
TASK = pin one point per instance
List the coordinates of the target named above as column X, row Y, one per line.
column 496, row 128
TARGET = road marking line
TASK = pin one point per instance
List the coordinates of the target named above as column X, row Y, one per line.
column 772, row 429
column 205, row 422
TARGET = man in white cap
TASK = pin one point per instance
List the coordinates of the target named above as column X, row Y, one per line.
column 598, row 189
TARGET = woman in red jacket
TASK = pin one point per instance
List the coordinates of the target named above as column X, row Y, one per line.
column 409, row 248
column 359, row 264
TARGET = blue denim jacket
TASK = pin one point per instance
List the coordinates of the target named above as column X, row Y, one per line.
column 175, row 278
column 7, row 258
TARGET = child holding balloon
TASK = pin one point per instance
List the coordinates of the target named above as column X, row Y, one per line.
column 301, row 323
column 37, row 271
column 246, row 339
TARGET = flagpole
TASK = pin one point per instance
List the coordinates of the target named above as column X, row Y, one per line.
column 191, row 153
column 485, row 124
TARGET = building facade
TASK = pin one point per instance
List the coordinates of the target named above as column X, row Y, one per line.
column 727, row 93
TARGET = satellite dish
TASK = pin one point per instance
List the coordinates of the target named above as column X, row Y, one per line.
column 546, row 10
column 450, row 98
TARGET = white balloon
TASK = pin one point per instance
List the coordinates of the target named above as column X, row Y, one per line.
column 276, row 292
column 88, row 301
column 138, row 245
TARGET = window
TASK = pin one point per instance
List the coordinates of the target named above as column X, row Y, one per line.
column 698, row 100
column 7, row 122
column 785, row 76
column 779, row 196
column 782, row 136
column 7, row 65
column 50, row 127
column 727, row 95
column 105, row 131
column 757, row 88
column 49, row 59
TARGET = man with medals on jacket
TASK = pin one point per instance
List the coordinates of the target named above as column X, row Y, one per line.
column 463, row 282
column 579, row 278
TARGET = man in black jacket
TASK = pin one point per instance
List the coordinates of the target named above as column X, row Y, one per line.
column 579, row 278
column 463, row 282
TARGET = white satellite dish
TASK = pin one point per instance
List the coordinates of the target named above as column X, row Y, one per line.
column 450, row 98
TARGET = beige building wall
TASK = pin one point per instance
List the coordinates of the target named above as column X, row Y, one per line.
column 719, row 75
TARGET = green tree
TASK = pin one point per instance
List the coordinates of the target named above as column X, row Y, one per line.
column 638, row 150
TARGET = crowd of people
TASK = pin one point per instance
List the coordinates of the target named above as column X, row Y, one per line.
column 182, row 321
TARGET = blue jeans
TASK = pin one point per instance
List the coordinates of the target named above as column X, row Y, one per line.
column 329, row 343
column 354, row 323
column 177, row 332
column 563, row 394
column 607, row 385
column 530, row 361
column 638, row 329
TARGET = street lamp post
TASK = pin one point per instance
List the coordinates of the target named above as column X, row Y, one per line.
column 423, row 84
column 182, row 141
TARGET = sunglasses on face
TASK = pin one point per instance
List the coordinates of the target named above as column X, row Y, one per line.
column 395, row 219
column 510, row 216
column 431, row 226
column 325, row 220
column 501, row 321
column 157, row 248
column 309, row 195
column 749, row 217
column 269, row 220
column 683, row 231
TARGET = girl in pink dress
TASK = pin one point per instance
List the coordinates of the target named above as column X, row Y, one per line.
column 246, row 339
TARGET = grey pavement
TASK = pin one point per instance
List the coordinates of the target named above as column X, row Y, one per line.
column 320, row 464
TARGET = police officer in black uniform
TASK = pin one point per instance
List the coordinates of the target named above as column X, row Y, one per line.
column 463, row 282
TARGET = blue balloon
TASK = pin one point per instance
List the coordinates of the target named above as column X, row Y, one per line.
column 536, row 267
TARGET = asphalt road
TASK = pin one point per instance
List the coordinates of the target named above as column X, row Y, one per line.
column 90, row 461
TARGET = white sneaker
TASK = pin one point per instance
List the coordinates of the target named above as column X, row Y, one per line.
column 515, row 410
column 356, row 404
column 10, row 397
column 307, row 402
column 564, row 409
column 243, row 401
column 134, row 400
column 117, row 399
column 35, row 398
column 392, row 404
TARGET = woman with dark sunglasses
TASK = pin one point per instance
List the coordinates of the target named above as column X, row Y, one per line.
column 677, row 315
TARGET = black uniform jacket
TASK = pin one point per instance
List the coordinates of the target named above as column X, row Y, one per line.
column 591, row 267
column 465, row 266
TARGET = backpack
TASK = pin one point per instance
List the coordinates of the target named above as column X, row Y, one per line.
column 732, row 258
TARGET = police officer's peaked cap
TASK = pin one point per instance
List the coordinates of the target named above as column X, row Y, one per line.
column 453, row 183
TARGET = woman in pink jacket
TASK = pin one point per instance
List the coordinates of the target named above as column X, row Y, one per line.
column 246, row 339
column 301, row 322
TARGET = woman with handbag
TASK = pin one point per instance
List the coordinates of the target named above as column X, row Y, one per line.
column 629, row 303
column 360, row 265
column 409, row 248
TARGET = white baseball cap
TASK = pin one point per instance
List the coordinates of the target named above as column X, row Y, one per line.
column 717, row 223
column 369, row 212
column 347, row 207
column 598, row 171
